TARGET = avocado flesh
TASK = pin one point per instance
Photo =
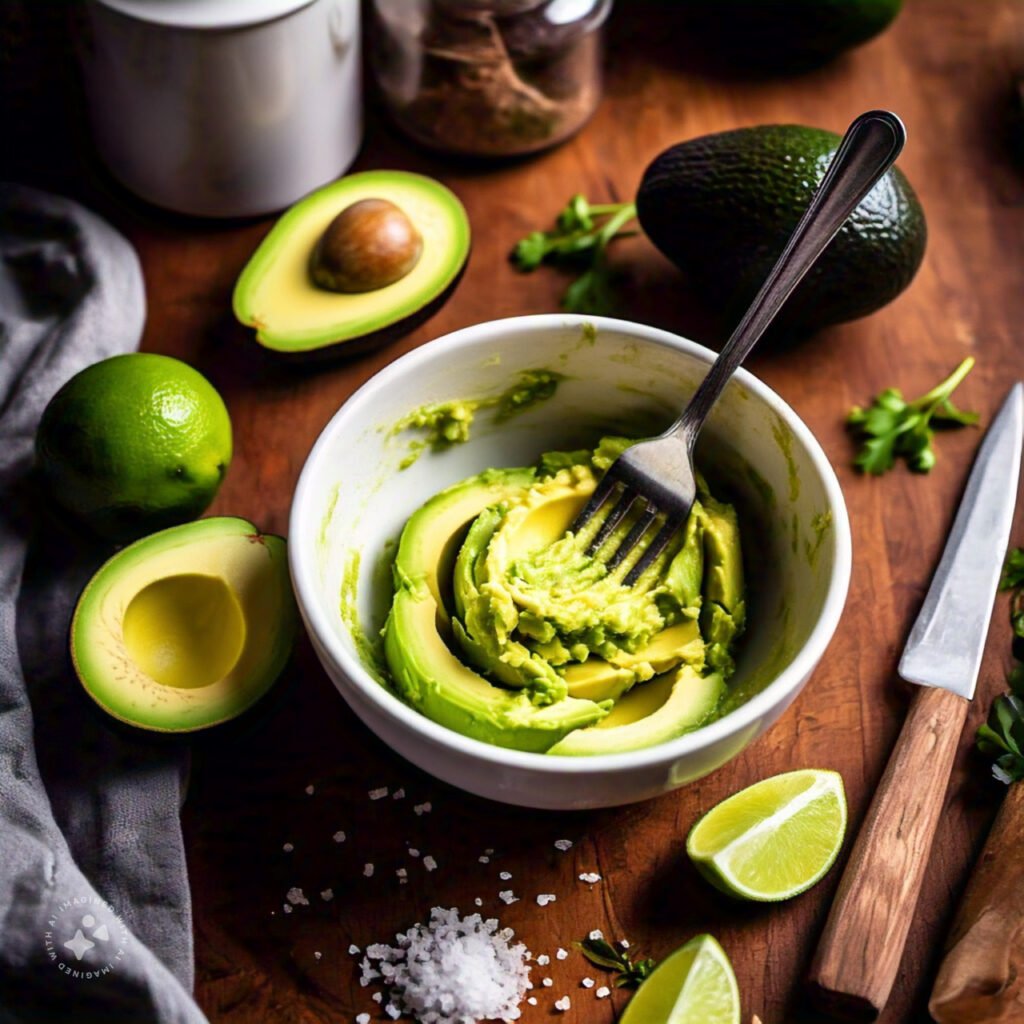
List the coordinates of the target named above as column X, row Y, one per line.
column 722, row 207
column 539, row 639
column 659, row 711
column 276, row 294
column 186, row 628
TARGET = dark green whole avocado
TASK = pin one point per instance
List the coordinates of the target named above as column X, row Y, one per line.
column 789, row 34
column 722, row 207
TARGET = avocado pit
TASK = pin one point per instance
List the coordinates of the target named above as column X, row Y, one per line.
column 369, row 245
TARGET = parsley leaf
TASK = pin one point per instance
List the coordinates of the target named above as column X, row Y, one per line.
column 632, row 973
column 1002, row 736
column 892, row 428
column 1013, row 570
column 579, row 242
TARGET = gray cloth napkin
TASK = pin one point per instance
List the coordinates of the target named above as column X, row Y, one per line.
column 95, row 919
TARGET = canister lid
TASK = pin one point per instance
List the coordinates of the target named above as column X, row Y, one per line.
column 205, row 14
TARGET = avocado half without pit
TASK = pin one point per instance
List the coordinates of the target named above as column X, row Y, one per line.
column 187, row 628
column 360, row 261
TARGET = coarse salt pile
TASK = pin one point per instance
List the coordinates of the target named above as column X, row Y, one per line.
column 453, row 970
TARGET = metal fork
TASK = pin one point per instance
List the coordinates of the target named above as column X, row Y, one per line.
column 659, row 472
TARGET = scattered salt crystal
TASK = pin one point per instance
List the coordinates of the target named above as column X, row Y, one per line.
column 317, row 954
column 561, row 954
column 507, row 896
column 532, row 1000
column 413, row 852
column 588, row 983
column 505, row 876
column 310, row 790
column 478, row 902
column 543, row 959
column 595, row 935
column 429, row 863
column 368, row 871
column 378, row 794
column 545, row 898
column 563, row 844
column 402, row 874
column 339, row 836
column 287, row 847
column 563, row 1004
column 327, row 895
column 399, row 794
column 363, row 1018
column 287, row 908
column 603, row 992
column 377, row 997
column 424, row 973
column 590, row 877
column 624, row 943
column 484, row 859
column 420, row 809
column 296, row 897
column 547, row 982
column 353, row 950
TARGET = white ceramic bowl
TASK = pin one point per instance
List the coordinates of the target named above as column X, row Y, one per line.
column 352, row 498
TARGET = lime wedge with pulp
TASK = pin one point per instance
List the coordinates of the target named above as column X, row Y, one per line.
column 774, row 839
column 694, row 985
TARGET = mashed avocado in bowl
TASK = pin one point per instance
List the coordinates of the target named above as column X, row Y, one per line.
column 503, row 627
column 459, row 626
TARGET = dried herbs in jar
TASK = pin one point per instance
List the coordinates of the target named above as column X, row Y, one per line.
column 489, row 77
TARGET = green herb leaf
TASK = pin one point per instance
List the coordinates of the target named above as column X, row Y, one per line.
column 1013, row 570
column 1003, row 737
column 579, row 242
column 892, row 428
column 603, row 954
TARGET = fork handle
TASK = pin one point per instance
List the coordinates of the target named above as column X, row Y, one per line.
column 868, row 150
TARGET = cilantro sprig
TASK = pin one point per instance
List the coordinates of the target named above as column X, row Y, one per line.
column 892, row 428
column 579, row 243
column 1002, row 736
column 601, row 953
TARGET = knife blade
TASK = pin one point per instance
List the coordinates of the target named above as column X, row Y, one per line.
column 948, row 639
column 862, row 944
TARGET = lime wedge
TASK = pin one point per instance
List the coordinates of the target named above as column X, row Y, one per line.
column 774, row 839
column 694, row 985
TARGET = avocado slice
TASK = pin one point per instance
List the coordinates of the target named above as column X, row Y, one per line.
column 723, row 206
column 186, row 628
column 276, row 292
column 420, row 627
column 435, row 682
column 652, row 713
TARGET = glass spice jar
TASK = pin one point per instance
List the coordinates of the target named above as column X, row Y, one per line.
column 488, row 78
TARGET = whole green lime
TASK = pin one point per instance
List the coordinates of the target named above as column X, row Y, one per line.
column 134, row 443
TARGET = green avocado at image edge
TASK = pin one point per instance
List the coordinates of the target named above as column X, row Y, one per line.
column 503, row 629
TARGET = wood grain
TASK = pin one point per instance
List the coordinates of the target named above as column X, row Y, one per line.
column 862, row 945
column 947, row 67
column 981, row 979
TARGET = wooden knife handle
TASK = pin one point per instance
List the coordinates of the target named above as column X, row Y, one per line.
column 861, row 947
column 981, row 979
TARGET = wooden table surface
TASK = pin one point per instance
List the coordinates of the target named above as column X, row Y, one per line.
column 947, row 67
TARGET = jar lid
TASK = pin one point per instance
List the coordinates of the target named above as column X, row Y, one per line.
column 204, row 14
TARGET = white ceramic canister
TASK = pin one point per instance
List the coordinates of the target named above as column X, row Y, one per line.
column 223, row 108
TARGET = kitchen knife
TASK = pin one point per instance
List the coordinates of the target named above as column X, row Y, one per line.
column 860, row 949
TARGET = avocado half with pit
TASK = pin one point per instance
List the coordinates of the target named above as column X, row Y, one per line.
column 186, row 628
column 357, row 262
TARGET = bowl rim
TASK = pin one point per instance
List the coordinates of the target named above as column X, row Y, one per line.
column 302, row 557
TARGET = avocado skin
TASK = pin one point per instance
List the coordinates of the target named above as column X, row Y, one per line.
column 722, row 207
column 788, row 34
